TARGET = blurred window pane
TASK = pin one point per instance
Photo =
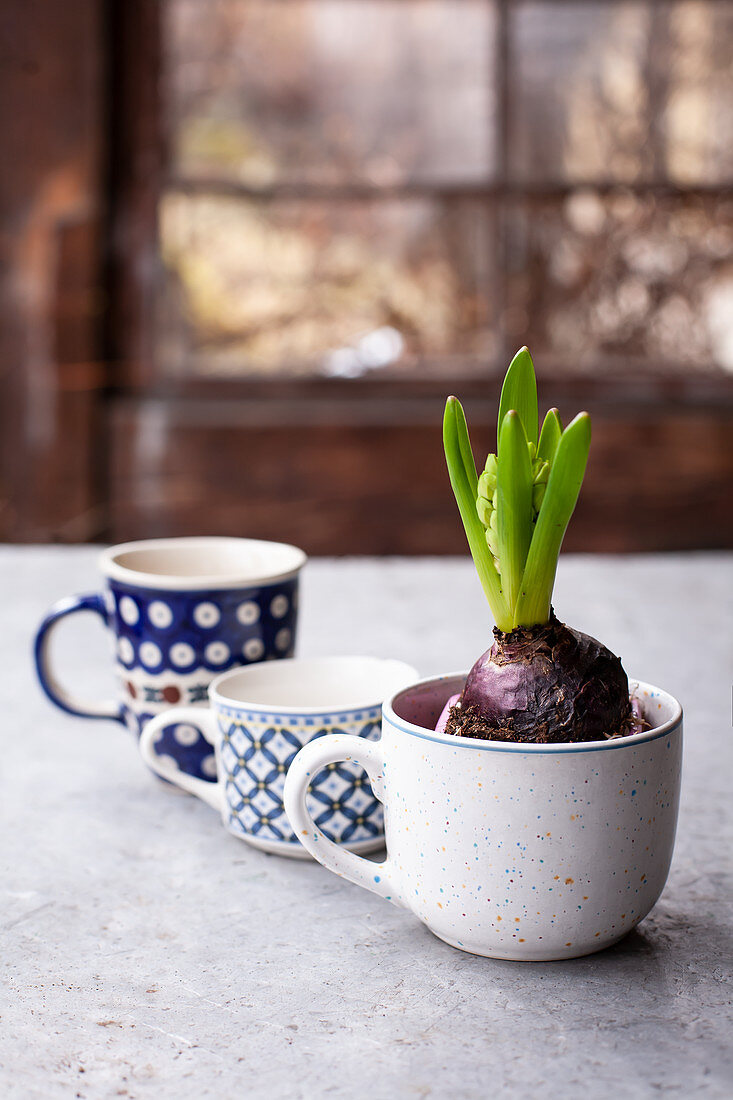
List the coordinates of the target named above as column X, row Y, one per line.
column 340, row 287
column 621, row 91
column 698, row 116
column 330, row 91
column 623, row 278
column 577, row 101
column 347, row 194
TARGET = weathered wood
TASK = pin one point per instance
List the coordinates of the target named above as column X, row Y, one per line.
column 51, row 104
column 368, row 477
column 137, row 155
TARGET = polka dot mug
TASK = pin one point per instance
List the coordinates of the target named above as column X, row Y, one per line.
column 181, row 611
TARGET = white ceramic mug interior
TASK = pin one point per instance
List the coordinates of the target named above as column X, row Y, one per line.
column 515, row 851
column 260, row 717
column 201, row 562
column 316, row 685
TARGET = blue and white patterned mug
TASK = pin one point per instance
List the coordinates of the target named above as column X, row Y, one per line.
column 260, row 718
column 181, row 611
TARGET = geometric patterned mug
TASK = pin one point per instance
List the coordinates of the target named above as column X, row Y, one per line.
column 181, row 611
column 260, row 718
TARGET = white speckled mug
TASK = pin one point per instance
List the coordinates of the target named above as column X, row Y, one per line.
column 532, row 852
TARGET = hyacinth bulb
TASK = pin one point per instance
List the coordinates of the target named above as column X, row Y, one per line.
column 546, row 684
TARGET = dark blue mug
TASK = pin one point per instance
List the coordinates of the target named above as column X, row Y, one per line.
column 182, row 611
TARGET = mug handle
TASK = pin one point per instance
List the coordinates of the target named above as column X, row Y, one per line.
column 108, row 708
column 211, row 793
column 380, row 878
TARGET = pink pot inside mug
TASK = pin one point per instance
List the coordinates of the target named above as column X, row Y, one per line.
column 422, row 704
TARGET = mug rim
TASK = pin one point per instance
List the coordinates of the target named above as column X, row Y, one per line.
column 375, row 702
column 113, row 570
column 561, row 747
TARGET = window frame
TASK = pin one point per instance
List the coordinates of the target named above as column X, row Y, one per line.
column 399, row 406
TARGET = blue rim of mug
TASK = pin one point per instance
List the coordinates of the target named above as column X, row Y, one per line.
column 292, row 561
column 561, row 748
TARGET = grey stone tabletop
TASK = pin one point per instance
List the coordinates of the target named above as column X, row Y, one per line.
column 148, row 953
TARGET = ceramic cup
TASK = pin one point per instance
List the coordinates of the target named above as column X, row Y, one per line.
column 181, row 611
column 532, row 852
column 259, row 718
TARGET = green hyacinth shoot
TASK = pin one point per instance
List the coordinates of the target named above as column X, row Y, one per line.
column 516, row 512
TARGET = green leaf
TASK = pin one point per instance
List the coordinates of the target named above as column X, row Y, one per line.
column 519, row 392
column 549, row 436
column 514, row 504
column 464, row 481
column 566, row 477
